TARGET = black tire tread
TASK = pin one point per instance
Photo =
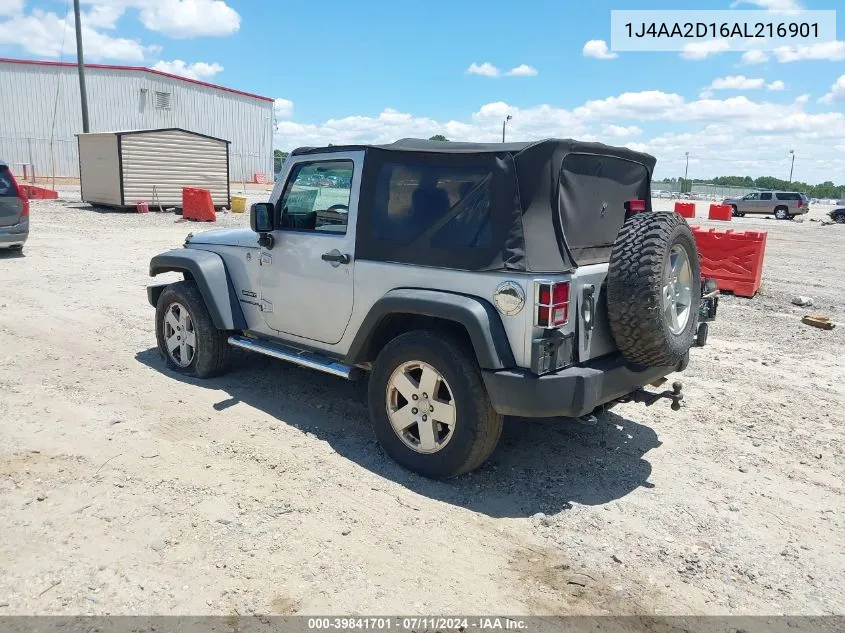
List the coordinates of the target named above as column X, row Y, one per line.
column 214, row 352
column 633, row 287
column 488, row 428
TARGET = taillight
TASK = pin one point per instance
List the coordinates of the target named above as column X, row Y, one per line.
column 635, row 206
column 800, row 203
column 551, row 304
column 25, row 209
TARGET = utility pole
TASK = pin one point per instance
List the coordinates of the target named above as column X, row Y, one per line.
column 81, row 65
column 686, row 171
column 504, row 124
column 792, row 166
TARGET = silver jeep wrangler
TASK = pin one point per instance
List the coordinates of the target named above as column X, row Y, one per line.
column 470, row 281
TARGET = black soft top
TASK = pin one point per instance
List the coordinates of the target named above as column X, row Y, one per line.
column 554, row 204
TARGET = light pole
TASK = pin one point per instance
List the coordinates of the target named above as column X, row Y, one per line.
column 686, row 171
column 792, row 166
column 504, row 124
column 81, row 65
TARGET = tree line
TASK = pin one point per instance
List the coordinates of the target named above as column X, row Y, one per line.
column 824, row 190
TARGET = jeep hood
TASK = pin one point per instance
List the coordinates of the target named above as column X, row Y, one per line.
column 224, row 237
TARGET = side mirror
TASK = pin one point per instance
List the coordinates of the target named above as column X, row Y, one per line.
column 261, row 217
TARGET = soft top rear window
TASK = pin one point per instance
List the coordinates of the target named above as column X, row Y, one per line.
column 7, row 188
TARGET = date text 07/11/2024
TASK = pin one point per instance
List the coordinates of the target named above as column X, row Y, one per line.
column 726, row 30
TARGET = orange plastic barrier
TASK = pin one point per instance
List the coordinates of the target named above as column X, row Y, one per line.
column 720, row 212
column 197, row 205
column 733, row 259
column 685, row 209
column 31, row 192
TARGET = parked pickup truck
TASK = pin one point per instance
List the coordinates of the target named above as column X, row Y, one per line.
column 469, row 281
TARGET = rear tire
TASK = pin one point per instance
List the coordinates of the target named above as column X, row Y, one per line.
column 475, row 428
column 782, row 213
column 182, row 317
column 652, row 306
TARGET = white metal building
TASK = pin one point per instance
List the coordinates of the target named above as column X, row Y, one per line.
column 40, row 113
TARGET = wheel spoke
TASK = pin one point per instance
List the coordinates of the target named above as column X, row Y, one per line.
column 403, row 385
column 677, row 262
column 443, row 412
column 673, row 316
column 401, row 419
column 191, row 339
column 428, row 435
column 183, row 351
column 183, row 319
column 428, row 381
column 173, row 342
column 171, row 319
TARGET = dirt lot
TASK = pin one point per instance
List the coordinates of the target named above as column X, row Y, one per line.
column 128, row 489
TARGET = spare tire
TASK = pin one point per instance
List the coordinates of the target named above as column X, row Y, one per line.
column 654, row 289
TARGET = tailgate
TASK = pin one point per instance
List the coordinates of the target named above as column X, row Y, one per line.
column 592, row 329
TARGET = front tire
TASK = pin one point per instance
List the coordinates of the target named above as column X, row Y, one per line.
column 429, row 407
column 187, row 338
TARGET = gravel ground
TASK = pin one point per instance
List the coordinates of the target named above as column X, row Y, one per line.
column 127, row 489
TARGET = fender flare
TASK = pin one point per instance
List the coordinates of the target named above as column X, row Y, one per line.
column 479, row 318
column 208, row 270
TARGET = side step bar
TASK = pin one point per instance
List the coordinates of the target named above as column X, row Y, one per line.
column 311, row 360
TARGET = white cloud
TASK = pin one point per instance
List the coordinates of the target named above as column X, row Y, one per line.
column 802, row 99
column 736, row 82
column 485, row 69
column 620, row 131
column 197, row 70
column 188, row 18
column 710, row 129
column 283, row 108
column 777, row 84
column 703, row 50
column 11, row 7
column 706, row 94
column 178, row 18
column 828, row 51
column 837, row 91
column 42, row 33
column 754, row 57
column 598, row 50
column 523, row 70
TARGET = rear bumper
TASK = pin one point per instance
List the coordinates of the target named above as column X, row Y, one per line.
column 15, row 234
column 571, row 392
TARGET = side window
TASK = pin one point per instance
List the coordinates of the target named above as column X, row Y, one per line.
column 788, row 196
column 448, row 204
column 752, row 196
column 316, row 197
column 765, row 196
column 6, row 188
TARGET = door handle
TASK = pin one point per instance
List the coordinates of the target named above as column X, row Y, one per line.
column 335, row 256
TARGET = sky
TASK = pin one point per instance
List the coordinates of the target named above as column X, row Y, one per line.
column 373, row 71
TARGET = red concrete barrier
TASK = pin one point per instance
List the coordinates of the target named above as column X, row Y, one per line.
column 720, row 212
column 197, row 205
column 31, row 192
column 685, row 209
column 260, row 178
column 142, row 206
column 733, row 259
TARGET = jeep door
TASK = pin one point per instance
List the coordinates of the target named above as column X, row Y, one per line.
column 306, row 278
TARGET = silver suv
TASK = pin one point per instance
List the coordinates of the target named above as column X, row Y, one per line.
column 468, row 281
column 784, row 205
column 14, row 211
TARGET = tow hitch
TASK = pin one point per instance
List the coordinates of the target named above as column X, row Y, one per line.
column 649, row 397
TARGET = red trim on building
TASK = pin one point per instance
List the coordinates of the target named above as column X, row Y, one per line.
column 34, row 62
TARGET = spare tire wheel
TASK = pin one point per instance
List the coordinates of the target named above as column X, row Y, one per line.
column 653, row 289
